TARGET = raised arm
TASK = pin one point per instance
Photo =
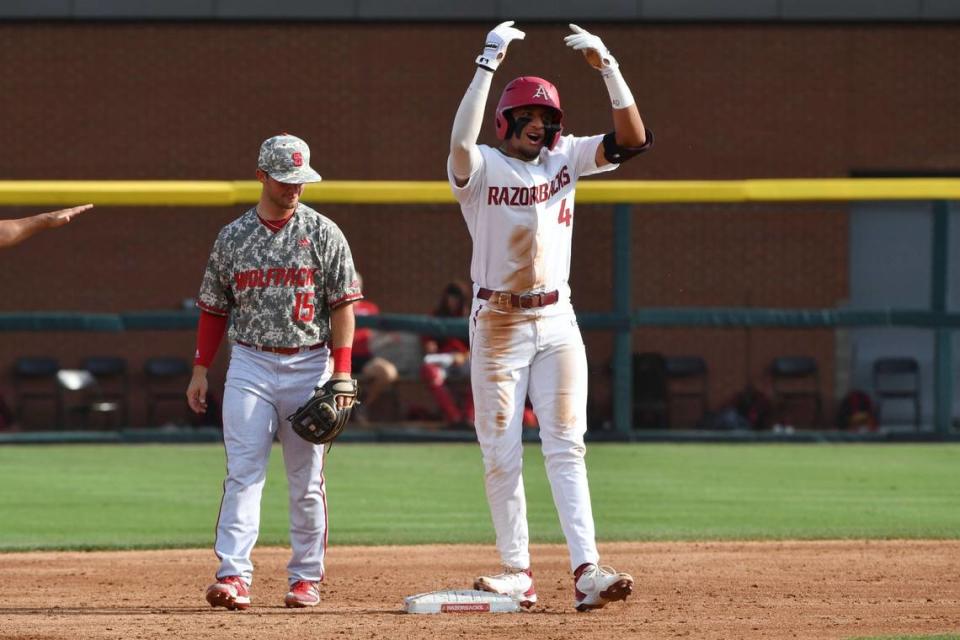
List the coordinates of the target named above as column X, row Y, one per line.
column 630, row 135
column 16, row 231
column 464, row 154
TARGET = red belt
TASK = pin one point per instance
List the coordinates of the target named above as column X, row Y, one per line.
column 283, row 350
column 524, row 301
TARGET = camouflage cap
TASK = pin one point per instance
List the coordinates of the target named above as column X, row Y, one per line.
column 286, row 158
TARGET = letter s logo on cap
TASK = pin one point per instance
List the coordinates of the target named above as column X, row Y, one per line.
column 297, row 159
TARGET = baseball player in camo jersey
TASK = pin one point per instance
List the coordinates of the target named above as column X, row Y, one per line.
column 518, row 203
column 287, row 275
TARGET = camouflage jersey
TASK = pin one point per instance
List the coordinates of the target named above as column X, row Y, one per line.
column 280, row 286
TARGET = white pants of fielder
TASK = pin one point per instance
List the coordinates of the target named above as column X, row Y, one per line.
column 539, row 352
column 262, row 389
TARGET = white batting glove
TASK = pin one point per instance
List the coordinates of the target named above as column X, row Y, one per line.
column 495, row 48
column 592, row 48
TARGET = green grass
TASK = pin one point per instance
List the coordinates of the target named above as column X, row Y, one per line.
column 82, row 496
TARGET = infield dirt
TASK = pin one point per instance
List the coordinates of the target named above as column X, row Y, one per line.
column 721, row 590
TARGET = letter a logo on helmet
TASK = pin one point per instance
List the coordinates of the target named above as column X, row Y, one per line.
column 528, row 91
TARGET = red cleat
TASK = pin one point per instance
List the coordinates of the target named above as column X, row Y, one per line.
column 230, row 592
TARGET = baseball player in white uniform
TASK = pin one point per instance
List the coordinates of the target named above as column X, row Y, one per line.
column 286, row 274
column 518, row 203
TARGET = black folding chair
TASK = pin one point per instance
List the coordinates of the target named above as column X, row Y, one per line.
column 897, row 379
column 795, row 380
column 35, row 382
column 686, row 383
column 166, row 383
column 113, row 380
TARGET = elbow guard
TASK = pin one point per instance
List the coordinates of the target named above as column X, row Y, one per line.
column 615, row 154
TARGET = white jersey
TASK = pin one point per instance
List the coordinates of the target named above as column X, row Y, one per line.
column 520, row 216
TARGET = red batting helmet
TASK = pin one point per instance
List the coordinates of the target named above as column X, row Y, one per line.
column 527, row 91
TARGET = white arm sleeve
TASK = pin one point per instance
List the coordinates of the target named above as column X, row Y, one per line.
column 464, row 154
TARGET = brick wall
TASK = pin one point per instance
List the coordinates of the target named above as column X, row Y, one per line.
column 375, row 101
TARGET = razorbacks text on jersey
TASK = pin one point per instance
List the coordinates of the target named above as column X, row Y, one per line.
column 520, row 216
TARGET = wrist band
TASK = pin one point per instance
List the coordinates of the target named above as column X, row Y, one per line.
column 620, row 96
column 342, row 359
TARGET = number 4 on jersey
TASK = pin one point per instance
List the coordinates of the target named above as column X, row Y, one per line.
column 566, row 213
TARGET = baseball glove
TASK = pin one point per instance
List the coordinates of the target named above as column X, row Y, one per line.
column 320, row 420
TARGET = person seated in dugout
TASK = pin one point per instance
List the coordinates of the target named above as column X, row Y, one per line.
column 376, row 373
column 447, row 359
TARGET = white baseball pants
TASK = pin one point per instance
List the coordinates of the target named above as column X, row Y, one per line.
column 262, row 389
column 537, row 352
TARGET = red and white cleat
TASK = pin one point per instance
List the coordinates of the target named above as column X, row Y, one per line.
column 595, row 586
column 230, row 592
column 303, row 593
column 515, row 583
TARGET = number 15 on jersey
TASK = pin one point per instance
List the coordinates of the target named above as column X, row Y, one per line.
column 303, row 306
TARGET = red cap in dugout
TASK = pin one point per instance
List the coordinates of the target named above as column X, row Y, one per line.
column 286, row 159
column 527, row 91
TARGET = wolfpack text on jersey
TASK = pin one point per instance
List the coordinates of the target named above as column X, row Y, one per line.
column 280, row 285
